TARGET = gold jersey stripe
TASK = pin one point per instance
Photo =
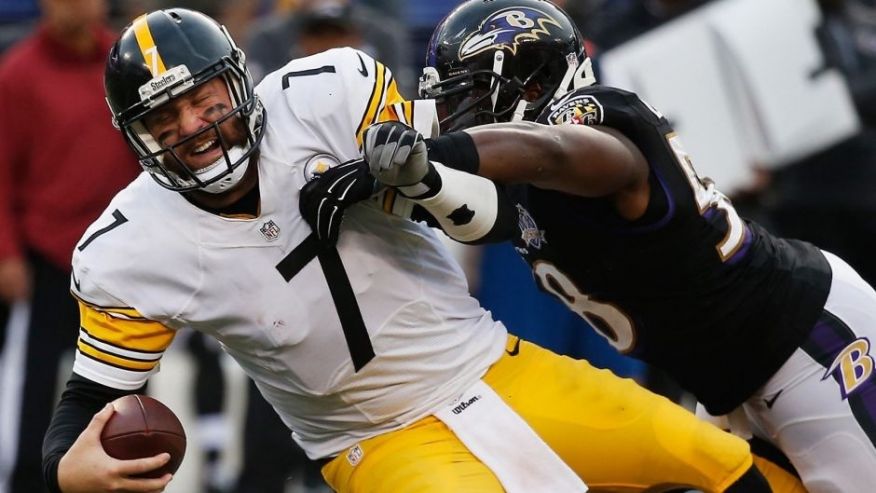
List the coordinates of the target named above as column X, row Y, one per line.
column 393, row 96
column 389, row 200
column 403, row 112
column 136, row 335
column 372, row 110
column 394, row 115
column 409, row 111
column 147, row 46
column 115, row 311
column 239, row 216
column 113, row 360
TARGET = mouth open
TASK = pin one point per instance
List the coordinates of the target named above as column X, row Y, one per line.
column 205, row 147
column 204, row 154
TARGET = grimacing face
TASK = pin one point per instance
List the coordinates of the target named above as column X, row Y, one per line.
column 172, row 123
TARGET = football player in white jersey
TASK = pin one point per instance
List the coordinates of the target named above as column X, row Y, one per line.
column 371, row 350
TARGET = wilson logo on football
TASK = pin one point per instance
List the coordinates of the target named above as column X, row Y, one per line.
column 507, row 29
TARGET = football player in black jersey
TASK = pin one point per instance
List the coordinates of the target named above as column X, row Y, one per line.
column 616, row 223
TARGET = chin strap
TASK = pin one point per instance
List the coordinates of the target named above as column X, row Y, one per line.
column 520, row 111
column 498, row 63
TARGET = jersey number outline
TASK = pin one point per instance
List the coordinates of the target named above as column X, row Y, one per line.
column 325, row 69
column 605, row 318
column 118, row 220
column 708, row 197
column 352, row 323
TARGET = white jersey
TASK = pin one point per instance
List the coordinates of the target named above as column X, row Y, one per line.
column 344, row 345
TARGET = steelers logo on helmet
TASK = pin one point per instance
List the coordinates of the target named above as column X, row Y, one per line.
column 319, row 164
column 508, row 29
column 579, row 110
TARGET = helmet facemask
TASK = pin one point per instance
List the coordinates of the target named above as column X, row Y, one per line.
column 486, row 96
column 167, row 165
column 471, row 97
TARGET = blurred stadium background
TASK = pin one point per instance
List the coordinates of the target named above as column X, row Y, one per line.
column 774, row 99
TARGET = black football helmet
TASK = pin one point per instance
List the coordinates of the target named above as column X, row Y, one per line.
column 486, row 53
column 164, row 54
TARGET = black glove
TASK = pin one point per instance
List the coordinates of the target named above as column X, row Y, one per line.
column 325, row 198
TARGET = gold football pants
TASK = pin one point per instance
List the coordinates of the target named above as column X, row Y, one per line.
column 615, row 434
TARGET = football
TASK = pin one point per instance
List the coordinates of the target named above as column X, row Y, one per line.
column 143, row 427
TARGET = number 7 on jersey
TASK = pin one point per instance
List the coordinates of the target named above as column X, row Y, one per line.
column 355, row 333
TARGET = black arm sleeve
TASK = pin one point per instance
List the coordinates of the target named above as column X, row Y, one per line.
column 81, row 400
column 455, row 150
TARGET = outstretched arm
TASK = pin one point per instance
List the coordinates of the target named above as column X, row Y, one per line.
column 468, row 208
column 575, row 159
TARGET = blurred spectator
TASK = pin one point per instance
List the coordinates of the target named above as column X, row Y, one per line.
column 326, row 23
column 16, row 10
column 17, row 18
column 828, row 198
column 396, row 9
column 422, row 17
column 618, row 21
column 236, row 15
column 212, row 425
column 122, row 12
column 59, row 167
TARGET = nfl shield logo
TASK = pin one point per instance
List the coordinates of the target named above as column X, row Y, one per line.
column 270, row 230
column 355, row 455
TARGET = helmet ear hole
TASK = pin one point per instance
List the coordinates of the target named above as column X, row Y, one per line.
column 533, row 91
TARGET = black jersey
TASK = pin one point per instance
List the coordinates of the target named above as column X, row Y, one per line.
column 690, row 287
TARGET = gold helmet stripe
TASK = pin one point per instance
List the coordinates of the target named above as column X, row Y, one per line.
column 147, row 46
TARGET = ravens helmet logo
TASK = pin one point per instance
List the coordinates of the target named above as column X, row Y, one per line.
column 507, row 29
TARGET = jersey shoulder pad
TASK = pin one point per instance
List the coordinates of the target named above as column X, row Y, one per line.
column 130, row 255
column 340, row 90
column 599, row 105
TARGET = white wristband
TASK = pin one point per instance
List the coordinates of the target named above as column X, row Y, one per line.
column 466, row 206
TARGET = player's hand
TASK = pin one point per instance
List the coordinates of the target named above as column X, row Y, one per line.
column 86, row 468
column 396, row 154
column 325, row 198
column 15, row 283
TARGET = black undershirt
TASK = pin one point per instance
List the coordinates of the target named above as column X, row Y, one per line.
column 81, row 400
